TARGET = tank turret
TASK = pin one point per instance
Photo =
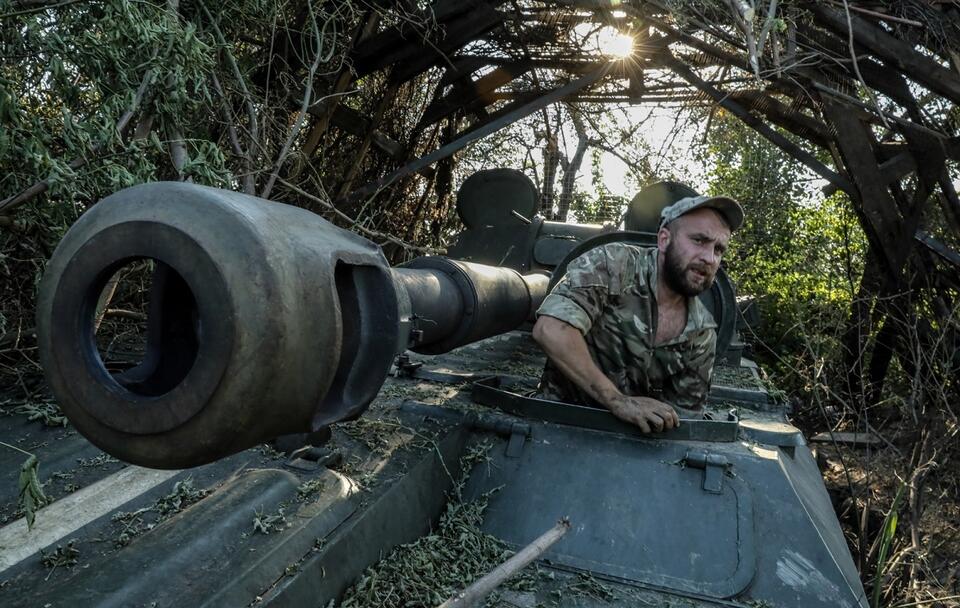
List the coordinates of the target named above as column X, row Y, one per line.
column 266, row 321
column 503, row 229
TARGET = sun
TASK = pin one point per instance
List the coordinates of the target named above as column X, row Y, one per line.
column 614, row 44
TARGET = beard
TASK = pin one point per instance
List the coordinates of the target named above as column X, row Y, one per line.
column 683, row 279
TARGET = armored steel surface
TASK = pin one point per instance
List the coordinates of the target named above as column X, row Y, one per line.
column 656, row 521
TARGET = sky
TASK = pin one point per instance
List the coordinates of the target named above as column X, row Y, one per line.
column 657, row 134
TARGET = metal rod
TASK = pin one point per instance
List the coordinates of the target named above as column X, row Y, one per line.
column 758, row 125
column 938, row 247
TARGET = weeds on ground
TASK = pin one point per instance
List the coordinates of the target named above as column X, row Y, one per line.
column 265, row 524
column 66, row 556
column 47, row 412
column 310, row 488
column 96, row 461
column 432, row 568
column 896, row 503
column 585, row 586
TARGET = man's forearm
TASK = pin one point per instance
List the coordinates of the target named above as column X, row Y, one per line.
column 565, row 346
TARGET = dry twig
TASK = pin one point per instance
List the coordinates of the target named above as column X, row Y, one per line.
column 352, row 223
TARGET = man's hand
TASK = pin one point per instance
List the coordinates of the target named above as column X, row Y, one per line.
column 565, row 346
column 647, row 413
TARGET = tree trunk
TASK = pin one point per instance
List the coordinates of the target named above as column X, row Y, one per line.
column 572, row 167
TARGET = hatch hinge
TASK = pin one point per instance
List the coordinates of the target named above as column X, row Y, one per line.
column 516, row 432
column 714, row 467
column 518, row 436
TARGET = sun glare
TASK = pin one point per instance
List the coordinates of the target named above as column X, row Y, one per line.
column 614, row 44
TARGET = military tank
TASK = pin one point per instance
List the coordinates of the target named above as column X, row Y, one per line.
column 394, row 393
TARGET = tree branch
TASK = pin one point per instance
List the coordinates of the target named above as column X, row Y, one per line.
column 301, row 114
column 249, row 186
column 254, row 126
column 38, row 188
column 36, row 6
column 353, row 224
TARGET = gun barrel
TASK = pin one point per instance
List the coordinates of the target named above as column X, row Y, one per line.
column 456, row 303
column 264, row 320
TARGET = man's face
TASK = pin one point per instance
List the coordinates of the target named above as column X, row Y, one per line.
column 692, row 246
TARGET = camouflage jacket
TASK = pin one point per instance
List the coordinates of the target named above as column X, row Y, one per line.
column 609, row 294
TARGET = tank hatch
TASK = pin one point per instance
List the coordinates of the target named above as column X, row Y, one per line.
column 497, row 197
column 643, row 215
column 664, row 515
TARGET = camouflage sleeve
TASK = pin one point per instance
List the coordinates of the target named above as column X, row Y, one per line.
column 690, row 386
column 581, row 295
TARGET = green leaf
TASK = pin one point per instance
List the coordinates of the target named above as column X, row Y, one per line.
column 886, row 542
column 31, row 492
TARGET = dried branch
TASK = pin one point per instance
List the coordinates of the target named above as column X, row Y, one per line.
column 38, row 188
column 179, row 156
column 124, row 121
column 856, row 65
column 355, row 224
column 178, row 149
column 322, row 56
column 767, row 27
column 249, row 185
column 254, row 124
column 883, row 16
column 743, row 15
column 36, row 6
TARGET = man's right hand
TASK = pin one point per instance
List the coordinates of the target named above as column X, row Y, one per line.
column 565, row 346
column 649, row 414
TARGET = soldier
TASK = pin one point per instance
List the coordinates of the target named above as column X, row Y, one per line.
column 624, row 329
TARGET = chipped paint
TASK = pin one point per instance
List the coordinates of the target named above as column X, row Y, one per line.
column 799, row 573
column 760, row 451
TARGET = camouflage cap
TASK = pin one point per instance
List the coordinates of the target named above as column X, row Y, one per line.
column 724, row 205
